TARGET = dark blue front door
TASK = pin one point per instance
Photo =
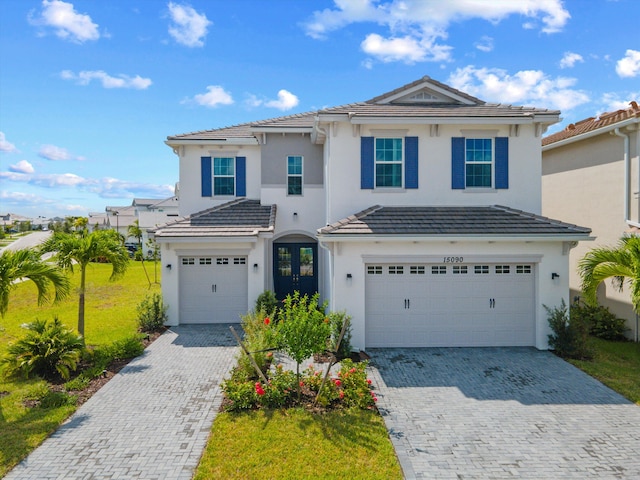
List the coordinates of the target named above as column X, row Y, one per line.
column 295, row 267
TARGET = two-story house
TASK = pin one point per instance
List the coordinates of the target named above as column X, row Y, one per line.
column 591, row 176
column 417, row 212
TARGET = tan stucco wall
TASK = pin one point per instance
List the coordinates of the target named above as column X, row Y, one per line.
column 583, row 183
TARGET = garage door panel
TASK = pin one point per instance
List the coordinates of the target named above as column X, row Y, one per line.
column 213, row 289
column 478, row 305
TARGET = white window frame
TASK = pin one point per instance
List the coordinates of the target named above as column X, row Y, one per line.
column 296, row 175
column 213, row 168
column 491, row 162
column 377, row 162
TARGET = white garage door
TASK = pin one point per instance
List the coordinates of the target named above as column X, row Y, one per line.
column 413, row 305
column 213, row 289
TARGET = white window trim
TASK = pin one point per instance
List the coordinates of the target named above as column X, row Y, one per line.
column 376, row 163
column 491, row 187
column 301, row 175
column 214, row 176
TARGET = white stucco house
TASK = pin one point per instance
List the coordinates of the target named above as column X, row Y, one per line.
column 418, row 212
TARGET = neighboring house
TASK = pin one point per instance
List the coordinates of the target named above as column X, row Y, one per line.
column 390, row 208
column 148, row 212
column 591, row 176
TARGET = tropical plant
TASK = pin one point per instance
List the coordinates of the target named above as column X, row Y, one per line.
column 152, row 313
column 620, row 263
column 80, row 249
column 570, row 333
column 602, row 322
column 135, row 231
column 47, row 349
column 17, row 264
column 303, row 328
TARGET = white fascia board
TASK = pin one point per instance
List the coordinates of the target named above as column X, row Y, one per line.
column 592, row 133
column 442, row 120
column 336, row 238
column 212, row 141
column 167, row 239
column 282, row 130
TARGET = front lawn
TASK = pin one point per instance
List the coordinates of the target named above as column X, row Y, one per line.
column 617, row 365
column 28, row 413
column 295, row 444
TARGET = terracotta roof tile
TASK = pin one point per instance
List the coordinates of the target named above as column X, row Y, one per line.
column 594, row 123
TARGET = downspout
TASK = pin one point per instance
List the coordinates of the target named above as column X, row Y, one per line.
column 627, row 178
column 327, row 135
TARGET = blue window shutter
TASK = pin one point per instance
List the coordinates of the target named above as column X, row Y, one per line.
column 366, row 162
column 457, row 163
column 502, row 162
column 411, row 162
column 241, row 176
column 206, row 175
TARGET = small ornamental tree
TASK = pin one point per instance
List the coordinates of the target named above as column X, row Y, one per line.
column 303, row 328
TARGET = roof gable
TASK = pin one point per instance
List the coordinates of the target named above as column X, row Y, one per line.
column 425, row 91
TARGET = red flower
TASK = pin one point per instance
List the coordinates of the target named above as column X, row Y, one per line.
column 341, row 394
column 338, row 382
column 302, row 384
column 267, row 321
column 259, row 389
column 375, row 399
column 353, row 370
column 269, row 354
column 369, row 381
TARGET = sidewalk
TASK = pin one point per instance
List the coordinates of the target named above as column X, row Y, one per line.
column 151, row 421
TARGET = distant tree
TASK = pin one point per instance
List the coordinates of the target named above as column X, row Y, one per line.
column 26, row 263
column 135, row 231
column 78, row 250
column 80, row 223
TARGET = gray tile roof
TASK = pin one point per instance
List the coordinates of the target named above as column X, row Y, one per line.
column 493, row 220
column 379, row 107
column 233, row 219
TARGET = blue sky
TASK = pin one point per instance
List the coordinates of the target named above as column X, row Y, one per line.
column 89, row 90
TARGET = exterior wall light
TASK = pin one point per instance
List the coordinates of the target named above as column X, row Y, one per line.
column 255, row 267
column 554, row 276
column 168, row 266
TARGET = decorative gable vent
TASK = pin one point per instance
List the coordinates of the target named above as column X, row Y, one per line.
column 422, row 97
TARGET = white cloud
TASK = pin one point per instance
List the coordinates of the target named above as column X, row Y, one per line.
column 189, row 27
column 5, row 145
column 52, row 152
column 67, row 23
column 613, row 101
column 286, row 101
column 570, row 59
column 629, row 66
column 22, row 167
column 121, row 81
column 417, row 28
column 216, row 95
column 485, row 44
column 524, row 87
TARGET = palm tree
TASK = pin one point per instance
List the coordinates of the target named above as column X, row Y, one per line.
column 620, row 263
column 82, row 248
column 135, row 231
column 17, row 264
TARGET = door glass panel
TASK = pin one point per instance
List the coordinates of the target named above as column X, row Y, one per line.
column 284, row 261
column 306, row 262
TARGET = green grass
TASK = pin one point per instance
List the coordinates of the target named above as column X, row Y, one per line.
column 110, row 315
column 295, row 444
column 617, row 365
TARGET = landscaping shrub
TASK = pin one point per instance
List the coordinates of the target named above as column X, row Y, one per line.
column 336, row 320
column 570, row 333
column 49, row 350
column 268, row 303
column 259, row 339
column 602, row 323
column 152, row 313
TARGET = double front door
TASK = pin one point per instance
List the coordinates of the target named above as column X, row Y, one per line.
column 295, row 267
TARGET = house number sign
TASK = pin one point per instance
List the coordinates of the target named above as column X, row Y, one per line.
column 452, row 259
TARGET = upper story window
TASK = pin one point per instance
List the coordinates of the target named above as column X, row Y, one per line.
column 294, row 175
column 388, row 162
column 223, row 176
column 478, row 162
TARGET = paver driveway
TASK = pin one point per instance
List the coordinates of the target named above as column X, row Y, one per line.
column 151, row 421
column 463, row 413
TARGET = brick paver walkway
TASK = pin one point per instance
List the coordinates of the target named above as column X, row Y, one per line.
column 479, row 413
column 151, row 421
